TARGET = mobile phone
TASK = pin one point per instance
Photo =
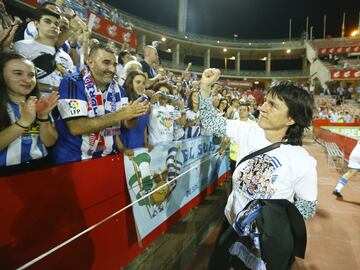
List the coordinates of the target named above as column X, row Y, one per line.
column 168, row 96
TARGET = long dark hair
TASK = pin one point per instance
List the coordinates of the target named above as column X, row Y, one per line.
column 300, row 108
column 4, row 96
column 190, row 101
column 129, row 86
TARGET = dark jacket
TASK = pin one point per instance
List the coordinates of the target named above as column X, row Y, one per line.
column 283, row 233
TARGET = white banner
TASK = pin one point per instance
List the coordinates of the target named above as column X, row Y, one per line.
column 147, row 171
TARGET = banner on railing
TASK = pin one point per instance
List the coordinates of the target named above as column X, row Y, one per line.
column 353, row 132
column 112, row 31
column 192, row 159
column 339, row 50
column 345, row 74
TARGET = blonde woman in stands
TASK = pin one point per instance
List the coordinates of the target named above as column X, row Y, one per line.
column 354, row 167
column 25, row 126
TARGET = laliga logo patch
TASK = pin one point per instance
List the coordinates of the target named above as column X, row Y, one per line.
column 112, row 30
column 74, row 107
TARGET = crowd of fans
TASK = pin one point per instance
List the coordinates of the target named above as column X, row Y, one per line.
column 65, row 92
column 329, row 108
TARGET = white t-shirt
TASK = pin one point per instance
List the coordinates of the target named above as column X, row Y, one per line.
column 277, row 174
column 32, row 49
column 161, row 123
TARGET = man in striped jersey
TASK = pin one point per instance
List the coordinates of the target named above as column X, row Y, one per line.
column 91, row 107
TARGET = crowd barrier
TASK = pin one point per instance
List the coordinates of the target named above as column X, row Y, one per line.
column 322, row 128
column 41, row 209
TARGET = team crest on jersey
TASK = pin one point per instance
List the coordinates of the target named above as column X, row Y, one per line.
column 74, row 107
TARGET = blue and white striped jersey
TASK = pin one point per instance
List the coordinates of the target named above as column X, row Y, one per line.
column 26, row 147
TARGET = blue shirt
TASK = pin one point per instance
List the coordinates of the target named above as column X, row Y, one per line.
column 73, row 104
column 134, row 137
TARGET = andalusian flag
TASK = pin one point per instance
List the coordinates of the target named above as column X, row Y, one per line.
column 141, row 182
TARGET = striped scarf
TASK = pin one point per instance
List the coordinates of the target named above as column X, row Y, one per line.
column 99, row 105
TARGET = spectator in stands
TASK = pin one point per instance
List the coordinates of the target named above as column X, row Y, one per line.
column 29, row 30
column 123, row 58
column 223, row 106
column 151, row 58
column 192, row 126
column 217, row 89
column 290, row 170
column 327, row 91
column 25, row 126
column 163, row 114
column 350, row 90
column 334, row 116
column 186, row 81
column 347, row 117
column 51, row 63
column 91, row 107
column 134, row 132
column 354, row 167
column 216, row 101
column 131, row 66
column 233, row 111
column 340, row 91
column 178, row 103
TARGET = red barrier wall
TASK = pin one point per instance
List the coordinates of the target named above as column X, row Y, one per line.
column 41, row 209
column 345, row 143
column 326, row 122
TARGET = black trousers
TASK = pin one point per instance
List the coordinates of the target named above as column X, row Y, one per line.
column 221, row 259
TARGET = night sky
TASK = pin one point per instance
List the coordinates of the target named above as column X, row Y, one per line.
column 249, row 19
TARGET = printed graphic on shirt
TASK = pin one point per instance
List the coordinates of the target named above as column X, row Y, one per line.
column 258, row 176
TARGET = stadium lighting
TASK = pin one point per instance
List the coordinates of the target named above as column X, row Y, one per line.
column 225, row 50
column 354, row 33
column 163, row 39
column 288, row 51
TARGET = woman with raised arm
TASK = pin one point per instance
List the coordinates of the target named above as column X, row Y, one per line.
column 287, row 172
column 25, row 127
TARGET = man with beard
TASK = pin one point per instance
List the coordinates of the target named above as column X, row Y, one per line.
column 91, row 107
